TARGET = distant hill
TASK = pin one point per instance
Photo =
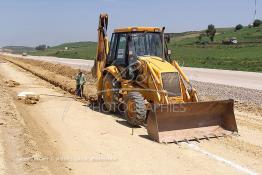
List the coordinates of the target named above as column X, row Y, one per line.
column 193, row 34
column 245, row 56
column 18, row 49
column 76, row 44
column 246, row 34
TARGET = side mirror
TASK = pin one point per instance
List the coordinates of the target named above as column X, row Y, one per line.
column 169, row 52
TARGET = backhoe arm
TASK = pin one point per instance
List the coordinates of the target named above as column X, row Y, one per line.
column 102, row 47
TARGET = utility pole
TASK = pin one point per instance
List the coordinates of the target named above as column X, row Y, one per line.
column 255, row 14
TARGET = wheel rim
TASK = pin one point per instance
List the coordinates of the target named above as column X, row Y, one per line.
column 131, row 109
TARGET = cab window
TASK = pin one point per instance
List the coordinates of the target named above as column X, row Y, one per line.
column 121, row 50
column 112, row 52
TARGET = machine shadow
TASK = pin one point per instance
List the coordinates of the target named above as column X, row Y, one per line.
column 117, row 114
column 146, row 137
column 125, row 123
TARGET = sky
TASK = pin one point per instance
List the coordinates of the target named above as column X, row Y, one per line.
column 52, row 22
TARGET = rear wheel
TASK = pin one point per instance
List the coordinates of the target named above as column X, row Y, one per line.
column 135, row 111
column 110, row 93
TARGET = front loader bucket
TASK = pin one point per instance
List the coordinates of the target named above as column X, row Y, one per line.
column 191, row 121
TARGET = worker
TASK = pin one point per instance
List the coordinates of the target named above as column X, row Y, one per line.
column 80, row 82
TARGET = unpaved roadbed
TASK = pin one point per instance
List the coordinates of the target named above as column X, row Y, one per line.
column 21, row 140
column 90, row 142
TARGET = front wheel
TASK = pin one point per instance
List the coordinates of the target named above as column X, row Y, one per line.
column 135, row 111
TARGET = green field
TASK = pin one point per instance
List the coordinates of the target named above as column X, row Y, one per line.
column 245, row 56
column 79, row 50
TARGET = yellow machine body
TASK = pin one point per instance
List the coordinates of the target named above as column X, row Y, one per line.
column 160, row 96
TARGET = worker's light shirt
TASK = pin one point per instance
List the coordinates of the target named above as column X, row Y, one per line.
column 80, row 79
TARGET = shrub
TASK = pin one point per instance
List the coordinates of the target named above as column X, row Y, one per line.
column 239, row 27
column 257, row 23
column 211, row 32
column 41, row 47
column 201, row 36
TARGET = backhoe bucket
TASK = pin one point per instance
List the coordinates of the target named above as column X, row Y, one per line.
column 191, row 121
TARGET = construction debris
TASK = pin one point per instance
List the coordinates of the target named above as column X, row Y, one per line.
column 12, row 83
column 29, row 97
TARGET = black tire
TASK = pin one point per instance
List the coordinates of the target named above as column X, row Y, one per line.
column 111, row 104
column 137, row 116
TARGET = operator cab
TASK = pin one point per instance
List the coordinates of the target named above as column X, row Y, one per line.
column 127, row 44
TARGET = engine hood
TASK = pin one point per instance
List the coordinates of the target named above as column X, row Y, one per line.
column 159, row 64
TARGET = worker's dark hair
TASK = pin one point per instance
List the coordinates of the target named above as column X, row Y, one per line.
column 80, row 71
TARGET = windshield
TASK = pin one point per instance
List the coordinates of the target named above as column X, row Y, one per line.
column 142, row 44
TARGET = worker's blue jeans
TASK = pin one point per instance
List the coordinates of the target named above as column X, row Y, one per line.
column 79, row 90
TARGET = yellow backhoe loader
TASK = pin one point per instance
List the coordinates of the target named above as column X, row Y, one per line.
column 135, row 74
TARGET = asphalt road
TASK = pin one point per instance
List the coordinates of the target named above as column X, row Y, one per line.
column 249, row 80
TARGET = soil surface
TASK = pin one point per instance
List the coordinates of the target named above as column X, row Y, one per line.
column 60, row 135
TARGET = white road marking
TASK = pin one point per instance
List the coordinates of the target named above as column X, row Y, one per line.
column 221, row 159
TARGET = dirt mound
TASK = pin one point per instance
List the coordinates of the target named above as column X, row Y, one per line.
column 31, row 99
column 59, row 69
column 56, row 74
column 12, row 83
